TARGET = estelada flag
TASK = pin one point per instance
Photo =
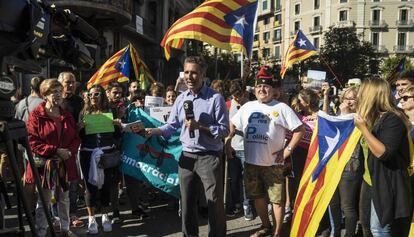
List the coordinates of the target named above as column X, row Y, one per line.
column 226, row 24
column 300, row 49
column 333, row 142
column 125, row 65
column 109, row 72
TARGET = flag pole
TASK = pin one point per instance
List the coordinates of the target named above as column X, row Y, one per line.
column 241, row 65
column 330, row 69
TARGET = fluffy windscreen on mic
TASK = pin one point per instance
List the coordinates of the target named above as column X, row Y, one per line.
column 188, row 109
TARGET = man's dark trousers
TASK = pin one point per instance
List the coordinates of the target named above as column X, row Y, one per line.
column 206, row 167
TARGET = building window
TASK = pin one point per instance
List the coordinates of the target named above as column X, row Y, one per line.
column 343, row 1
column 402, row 39
column 343, row 15
column 276, row 54
column 277, row 35
column 376, row 16
column 403, row 15
column 297, row 26
column 256, row 37
column 316, row 4
column 376, row 0
column 317, row 21
column 266, row 36
column 375, row 39
column 297, row 9
column 264, row 5
column 266, row 21
column 278, row 7
column 316, row 42
column 266, row 52
column 255, row 55
column 278, row 18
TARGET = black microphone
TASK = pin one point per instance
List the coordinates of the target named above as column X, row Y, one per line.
column 189, row 113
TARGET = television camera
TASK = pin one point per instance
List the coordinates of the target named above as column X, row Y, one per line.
column 32, row 31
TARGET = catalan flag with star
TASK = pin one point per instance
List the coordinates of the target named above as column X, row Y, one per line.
column 300, row 49
column 226, row 24
column 123, row 66
column 333, row 142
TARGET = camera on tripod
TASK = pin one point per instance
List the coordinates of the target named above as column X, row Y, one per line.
column 32, row 31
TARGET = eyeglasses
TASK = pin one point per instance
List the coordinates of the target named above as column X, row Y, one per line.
column 405, row 98
column 353, row 99
column 96, row 94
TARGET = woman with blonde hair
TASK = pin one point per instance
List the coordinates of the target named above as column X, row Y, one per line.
column 385, row 201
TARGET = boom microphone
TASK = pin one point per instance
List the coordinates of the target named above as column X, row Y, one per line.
column 189, row 113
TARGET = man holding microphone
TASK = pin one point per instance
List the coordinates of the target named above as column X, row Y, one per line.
column 201, row 114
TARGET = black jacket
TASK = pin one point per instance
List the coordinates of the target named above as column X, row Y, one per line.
column 390, row 180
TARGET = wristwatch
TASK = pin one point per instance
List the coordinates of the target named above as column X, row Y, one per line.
column 289, row 148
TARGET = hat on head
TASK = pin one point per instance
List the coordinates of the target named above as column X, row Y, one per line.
column 264, row 77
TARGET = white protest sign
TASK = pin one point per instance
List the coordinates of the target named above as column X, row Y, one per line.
column 160, row 113
column 153, row 101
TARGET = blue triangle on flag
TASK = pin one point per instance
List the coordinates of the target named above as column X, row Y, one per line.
column 242, row 20
column 302, row 42
column 123, row 63
column 331, row 135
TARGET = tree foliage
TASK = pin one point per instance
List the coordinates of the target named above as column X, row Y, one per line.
column 348, row 56
column 387, row 65
column 221, row 65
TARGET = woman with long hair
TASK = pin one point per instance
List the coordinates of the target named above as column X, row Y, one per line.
column 385, row 201
column 54, row 142
column 346, row 195
column 93, row 145
column 306, row 104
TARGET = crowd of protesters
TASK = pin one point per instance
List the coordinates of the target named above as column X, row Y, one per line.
column 263, row 135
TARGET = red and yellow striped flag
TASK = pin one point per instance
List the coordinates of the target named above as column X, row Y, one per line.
column 118, row 68
column 300, row 49
column 333, row 142
column 142, row 73
column 226, row 24
column 107, row 72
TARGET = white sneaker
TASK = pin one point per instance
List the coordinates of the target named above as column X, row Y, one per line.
column 92, row 226
column 106, row 223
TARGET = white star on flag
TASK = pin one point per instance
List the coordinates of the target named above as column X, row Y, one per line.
column 302, row 42
column 122, row 64
column 241, row 20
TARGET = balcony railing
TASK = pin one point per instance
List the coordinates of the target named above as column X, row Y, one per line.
column 277, row 39
column 315, row 29
column 405, row 23
column 403, row 49
column 344, row 24
column 380, row 48
column 104, row 12
column 377, row 24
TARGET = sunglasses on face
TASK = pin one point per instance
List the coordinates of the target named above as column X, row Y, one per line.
column 95, row 94
column 405, row 98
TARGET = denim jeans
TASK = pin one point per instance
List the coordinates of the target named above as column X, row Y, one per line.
column 63, row 212
column 349, row 188
column 376, row 229
column 236, row 168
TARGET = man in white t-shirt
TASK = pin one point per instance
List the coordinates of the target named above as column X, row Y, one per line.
column 264, row 123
